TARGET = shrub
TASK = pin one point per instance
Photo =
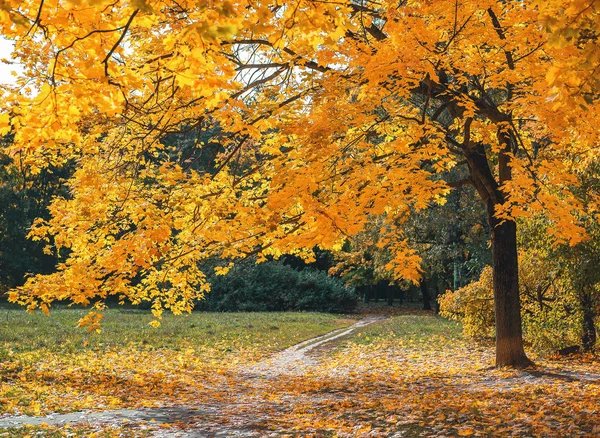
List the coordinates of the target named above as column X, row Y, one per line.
column 548, row 306
column 274, row 286
column 472, row 305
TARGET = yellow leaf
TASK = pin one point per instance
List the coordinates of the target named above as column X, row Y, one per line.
column 4, row 124
column 551, row 74
column 74, row 111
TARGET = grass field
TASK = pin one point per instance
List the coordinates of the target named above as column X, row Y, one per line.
column 47, row 364
column 412, row 374
column 23, row 332
column 422, row 331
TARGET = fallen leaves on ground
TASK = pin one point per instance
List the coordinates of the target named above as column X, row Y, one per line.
column 409, row 376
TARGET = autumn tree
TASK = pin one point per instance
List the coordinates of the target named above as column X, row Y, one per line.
column 23, row 198
column 577, row 264
column 451, row 240
column 324, row 113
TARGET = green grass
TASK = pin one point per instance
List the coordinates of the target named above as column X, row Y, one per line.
column 22, row 332
column 421, row 331
column 48, row 364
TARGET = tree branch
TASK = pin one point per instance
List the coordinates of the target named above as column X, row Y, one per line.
column 119, row 41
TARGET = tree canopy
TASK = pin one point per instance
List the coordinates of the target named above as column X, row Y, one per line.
column 318, row 116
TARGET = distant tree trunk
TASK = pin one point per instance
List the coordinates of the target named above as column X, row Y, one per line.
column 436, row 303
column 426, row 296
column 367, row 292
column 588, row 337
column 456, row 243
column 456, row 280
column 507, row 306
column 455, row 284
column 389, row 290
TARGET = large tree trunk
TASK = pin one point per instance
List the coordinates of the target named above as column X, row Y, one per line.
column 588, row 339
column 507, row 306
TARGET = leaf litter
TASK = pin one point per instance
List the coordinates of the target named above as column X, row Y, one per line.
column 376, row 381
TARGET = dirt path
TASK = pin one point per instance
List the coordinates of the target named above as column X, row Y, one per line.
column 204, row 420
column 296, row 359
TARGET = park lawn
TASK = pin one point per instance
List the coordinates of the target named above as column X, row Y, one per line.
column 409, row 375
column 417, row 375
column 47, row 364
column 126, row 327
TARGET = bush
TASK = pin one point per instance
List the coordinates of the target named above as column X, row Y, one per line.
column 548, row 306
column 473, row 306
column 273, row 286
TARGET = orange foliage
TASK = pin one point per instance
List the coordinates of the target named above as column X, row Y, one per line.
column 328, row 113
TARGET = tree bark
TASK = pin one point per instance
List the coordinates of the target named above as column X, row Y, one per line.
column 507, row 305
column 588, row 337
column 426, row 296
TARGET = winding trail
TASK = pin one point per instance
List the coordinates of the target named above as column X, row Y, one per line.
column 203, row 418
column 296, row 360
